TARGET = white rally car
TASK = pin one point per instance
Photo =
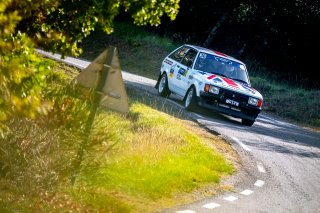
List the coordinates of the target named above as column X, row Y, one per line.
column 210, row 79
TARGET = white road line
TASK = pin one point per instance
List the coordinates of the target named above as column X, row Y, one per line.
column 272, row 119
column 241, row 144
column 211, row 205
column 200, row 116
column 231, row 198
column 186, row 211
column 259, row 183
column 260, row 167
column 246, row 192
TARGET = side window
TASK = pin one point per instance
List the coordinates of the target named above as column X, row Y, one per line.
column 179, row 54
column 189, row 58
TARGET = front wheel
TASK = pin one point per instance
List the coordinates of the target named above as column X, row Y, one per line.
column 247, row 122
column 190, row 101
column 163, row 88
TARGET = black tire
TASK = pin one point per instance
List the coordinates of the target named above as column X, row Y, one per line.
column 190, row 100
column 247, row 122
column 163, row 88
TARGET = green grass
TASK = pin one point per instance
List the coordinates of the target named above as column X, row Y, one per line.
column 296, row 104
column 158, row 157
column 140, row 162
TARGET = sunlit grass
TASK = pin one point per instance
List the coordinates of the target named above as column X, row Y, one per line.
column 157, row 157
column 140, row 162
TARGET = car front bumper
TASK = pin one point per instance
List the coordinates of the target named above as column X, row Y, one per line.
column 218, row 103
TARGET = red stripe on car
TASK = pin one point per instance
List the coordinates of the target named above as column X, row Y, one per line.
column 219, row 53
column 230, row 82
column 211, row 77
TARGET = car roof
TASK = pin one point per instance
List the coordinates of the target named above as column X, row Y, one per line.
column 206, row 50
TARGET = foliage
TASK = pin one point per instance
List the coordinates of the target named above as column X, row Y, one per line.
column 57, row 25
column 22, row 75
column 61, row 24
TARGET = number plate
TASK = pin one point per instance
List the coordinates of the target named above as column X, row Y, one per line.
column 232, row 102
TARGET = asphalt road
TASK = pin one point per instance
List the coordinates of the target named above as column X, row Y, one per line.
column 281, row 161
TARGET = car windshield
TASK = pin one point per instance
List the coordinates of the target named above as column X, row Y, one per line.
column 221, row 66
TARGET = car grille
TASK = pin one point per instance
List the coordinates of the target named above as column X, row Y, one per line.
column 227, row 94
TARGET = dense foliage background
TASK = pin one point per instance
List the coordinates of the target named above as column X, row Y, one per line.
column 57, row 25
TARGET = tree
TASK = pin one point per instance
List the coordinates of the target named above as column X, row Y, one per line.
column 280, row 34
column 56, row 25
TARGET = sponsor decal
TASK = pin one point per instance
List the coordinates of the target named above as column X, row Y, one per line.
column 183, row 71
column 249, row 89
column 222, row 60
column 172, row 71
column 168, row 62
column 179, row 76
column 202, row 55
column 217, row 80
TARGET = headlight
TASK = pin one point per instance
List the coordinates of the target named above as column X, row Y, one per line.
column 255, row 102
column 211, row 89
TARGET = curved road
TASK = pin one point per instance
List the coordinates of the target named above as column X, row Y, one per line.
column 281, row 161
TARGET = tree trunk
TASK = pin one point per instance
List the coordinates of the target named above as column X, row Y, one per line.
column 214, row 30
column 240, row 52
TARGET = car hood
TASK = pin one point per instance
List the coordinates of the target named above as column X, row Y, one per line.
column 230, row 84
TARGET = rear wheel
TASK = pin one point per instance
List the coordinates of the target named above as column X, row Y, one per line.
column 190, row 101
column 247, row 122
column 163, row 88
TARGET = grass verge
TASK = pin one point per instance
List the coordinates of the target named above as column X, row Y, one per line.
column 297, row 105
column 140, row 162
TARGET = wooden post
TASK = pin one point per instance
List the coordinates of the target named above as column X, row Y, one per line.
column 96, row 98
